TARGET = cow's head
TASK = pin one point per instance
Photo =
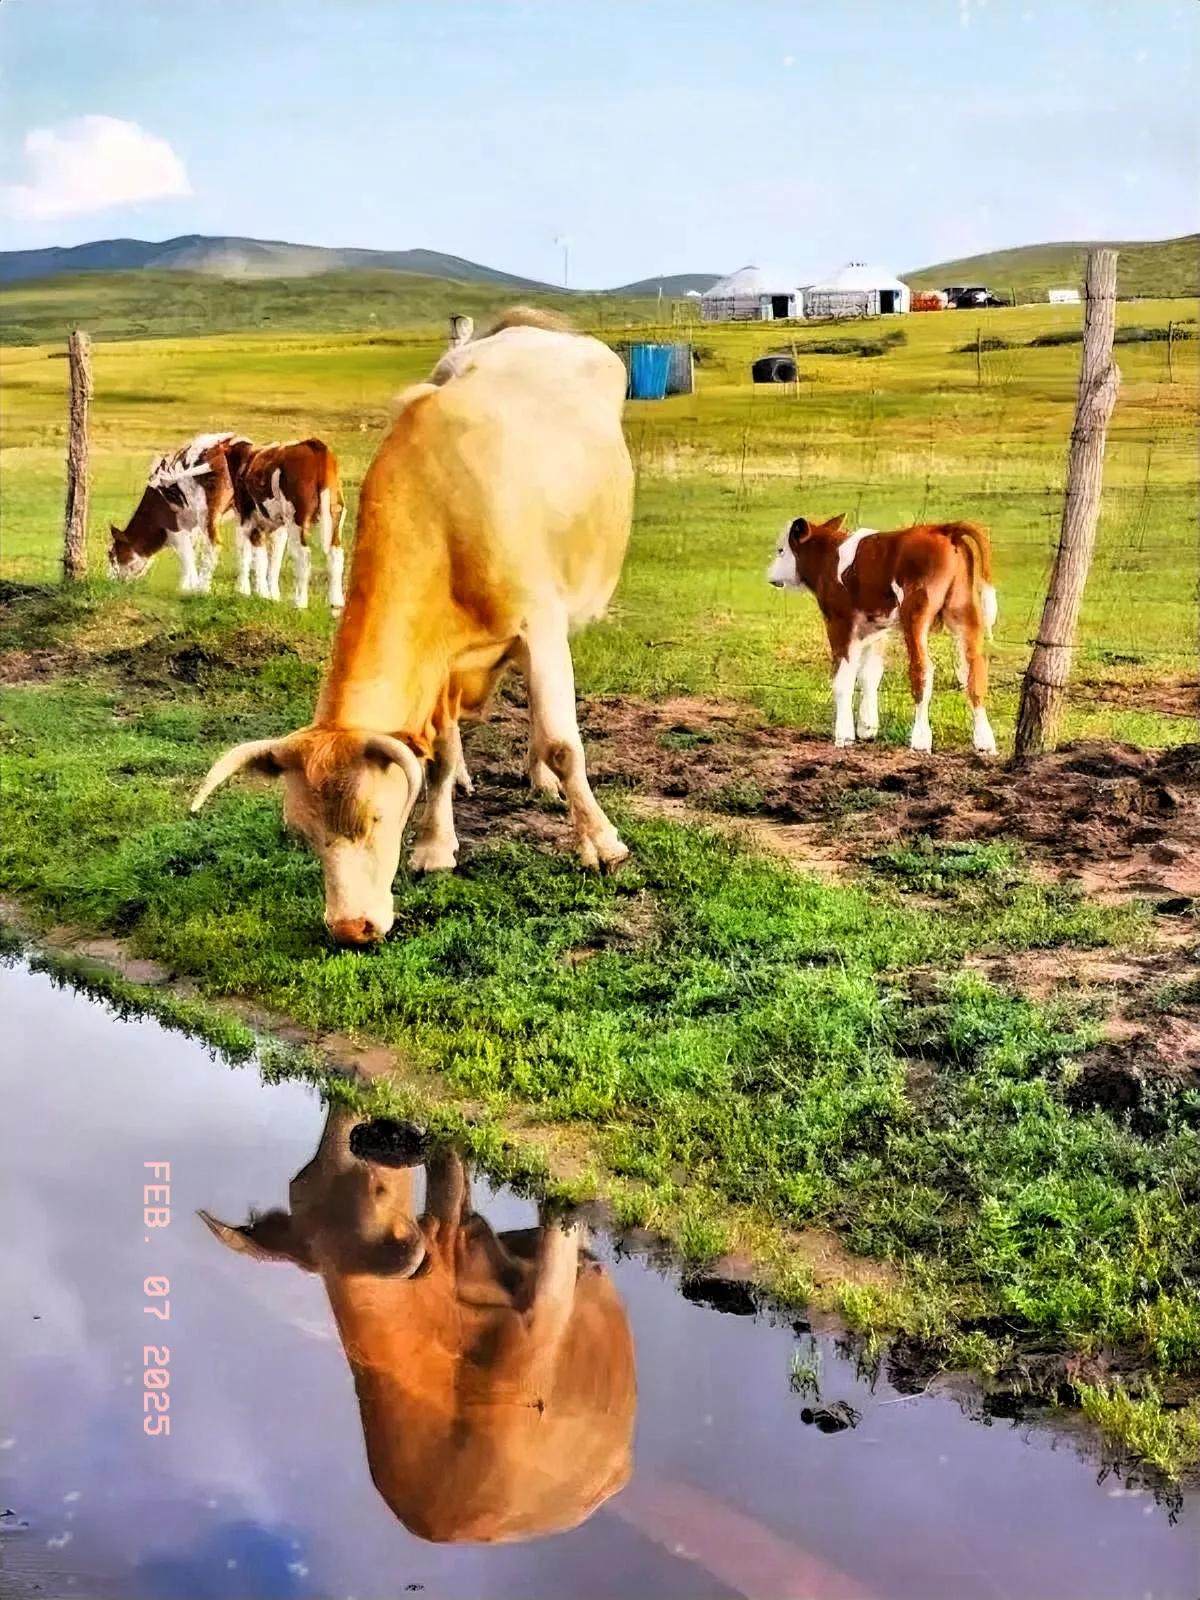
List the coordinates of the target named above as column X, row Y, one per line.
column 161, row 511
column 346, row 1217
column 350, row 795
column 788, row 568
column 125, row 561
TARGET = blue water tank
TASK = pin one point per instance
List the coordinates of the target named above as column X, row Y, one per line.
column 649, row 366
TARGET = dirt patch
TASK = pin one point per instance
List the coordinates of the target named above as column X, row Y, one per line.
column 1117, row 820
column 1171, row 697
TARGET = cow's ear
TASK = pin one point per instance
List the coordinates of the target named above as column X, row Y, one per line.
column 799, row 531
column 839, row 521
column 271, row 1237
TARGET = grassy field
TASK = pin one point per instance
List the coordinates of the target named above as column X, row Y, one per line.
column 1150, row 269
column 732, row 1050
column 907, row 434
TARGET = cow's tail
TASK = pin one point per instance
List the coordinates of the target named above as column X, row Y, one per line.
column 973, row 541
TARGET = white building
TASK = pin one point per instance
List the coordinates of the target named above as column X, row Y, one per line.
column 857, row 290
column 753, row 294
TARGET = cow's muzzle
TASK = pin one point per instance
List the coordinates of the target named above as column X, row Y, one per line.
column 357, row 932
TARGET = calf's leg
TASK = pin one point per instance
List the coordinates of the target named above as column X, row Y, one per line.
column 245, row 558
column 544, row 656
column 916, row 617
column 870, row 672
column 297, row 538
column 968, row 633
column 845, row 650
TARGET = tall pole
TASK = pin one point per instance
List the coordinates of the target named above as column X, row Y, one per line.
column 1050, row 664
column 79, row 352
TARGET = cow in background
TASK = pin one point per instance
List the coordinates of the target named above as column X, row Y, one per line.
column 279, row 492
column 186, row 495
column 494, row 1372
column 866, row 583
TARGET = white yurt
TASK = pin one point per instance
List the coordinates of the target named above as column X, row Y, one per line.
column 858, row 290
column 753, row 294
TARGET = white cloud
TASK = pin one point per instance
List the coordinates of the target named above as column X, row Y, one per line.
column 90, row 164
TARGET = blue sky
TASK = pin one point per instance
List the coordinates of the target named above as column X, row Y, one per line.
column 656, row 136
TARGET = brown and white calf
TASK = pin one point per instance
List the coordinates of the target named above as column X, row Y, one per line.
column 279, row 491
column 866, row 583
column 186, row 495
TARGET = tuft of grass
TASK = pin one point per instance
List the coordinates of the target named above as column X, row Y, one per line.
column 1166, row 1437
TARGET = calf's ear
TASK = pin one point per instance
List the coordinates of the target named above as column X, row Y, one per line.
column 799, row 531
column 268, row 756
column 839, row 521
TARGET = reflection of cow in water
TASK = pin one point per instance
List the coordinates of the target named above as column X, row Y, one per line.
column 494, row 1372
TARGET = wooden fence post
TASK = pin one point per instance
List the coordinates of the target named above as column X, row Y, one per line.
column 79, row 350
column 1171, row 351
column 979, row 358
column 1050, row 664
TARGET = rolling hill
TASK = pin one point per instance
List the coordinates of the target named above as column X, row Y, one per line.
column 231, row 257
column 673, row 285
column 1153, row 269
column 178, row 305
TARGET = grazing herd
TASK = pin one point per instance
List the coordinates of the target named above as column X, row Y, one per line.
column 493, row 523
column 275, row 491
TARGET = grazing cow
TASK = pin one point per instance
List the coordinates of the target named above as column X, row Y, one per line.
column 279, row 491
column 866, row 582
column 494, row 1372
column 186, row 495
column 493, row 520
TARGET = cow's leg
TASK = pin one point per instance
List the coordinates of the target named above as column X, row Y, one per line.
column 973, row 677
column 181, row 541
column 916, row 616
column 870, row 671
column 274, row 547
column 262, row 575
column 544, row 656
column 436, row 845
column 845, row 650
column 331, row 544
column 297, row 538
column 210, row 554
column 245, row 558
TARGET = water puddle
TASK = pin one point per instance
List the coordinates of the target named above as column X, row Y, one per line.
column 361, row 1369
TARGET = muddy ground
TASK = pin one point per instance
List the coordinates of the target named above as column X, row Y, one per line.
column 1118, row 822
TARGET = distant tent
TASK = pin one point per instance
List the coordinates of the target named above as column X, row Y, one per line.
column 858, row 290
column 753, row 294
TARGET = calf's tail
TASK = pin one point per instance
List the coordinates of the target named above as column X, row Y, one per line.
column 976, row 546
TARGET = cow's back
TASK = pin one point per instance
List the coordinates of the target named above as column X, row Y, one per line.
column 520, row 461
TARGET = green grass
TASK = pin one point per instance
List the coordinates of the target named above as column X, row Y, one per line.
column 754, row 1032
column 1150, row 269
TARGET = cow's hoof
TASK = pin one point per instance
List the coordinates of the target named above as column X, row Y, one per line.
column 434, row 857
column 986, row 749
column 603, row 855
column 463, row 782
column 843, row 744
column 867, row 733
column 922, row 746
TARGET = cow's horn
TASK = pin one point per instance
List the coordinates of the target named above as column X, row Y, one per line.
column 388, row 748
column 261, row 755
